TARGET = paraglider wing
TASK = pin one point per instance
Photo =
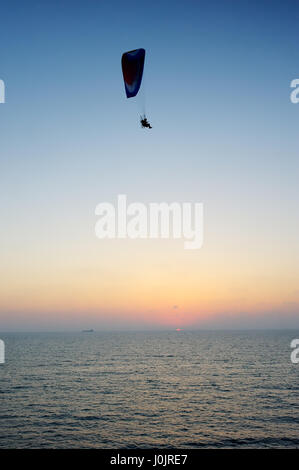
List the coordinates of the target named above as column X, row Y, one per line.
column 132, row 66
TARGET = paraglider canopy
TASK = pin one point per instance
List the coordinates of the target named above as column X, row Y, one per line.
column 132, row 66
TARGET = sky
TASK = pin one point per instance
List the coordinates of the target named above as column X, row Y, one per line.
column 217, row 91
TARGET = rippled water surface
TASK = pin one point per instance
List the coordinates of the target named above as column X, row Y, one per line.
column 166, row 389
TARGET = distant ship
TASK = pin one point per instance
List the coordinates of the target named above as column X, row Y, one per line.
column 88, row 331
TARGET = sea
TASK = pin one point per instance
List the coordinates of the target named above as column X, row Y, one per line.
column 137, row 390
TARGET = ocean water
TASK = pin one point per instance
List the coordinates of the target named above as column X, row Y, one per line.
column 149, row 389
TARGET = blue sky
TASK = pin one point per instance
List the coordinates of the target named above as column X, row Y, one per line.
column 216, row 84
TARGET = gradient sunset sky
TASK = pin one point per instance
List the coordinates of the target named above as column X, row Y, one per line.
column 225, row 133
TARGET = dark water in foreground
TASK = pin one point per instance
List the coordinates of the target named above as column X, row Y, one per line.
column 137, row 390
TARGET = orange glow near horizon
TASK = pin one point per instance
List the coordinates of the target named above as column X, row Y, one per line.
column 159, row 286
